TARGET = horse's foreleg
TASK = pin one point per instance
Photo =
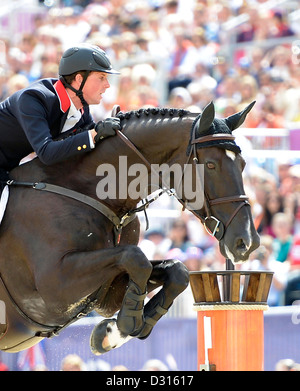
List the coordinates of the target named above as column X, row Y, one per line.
column 112, row 333
column 130, row 318
column 174, row 277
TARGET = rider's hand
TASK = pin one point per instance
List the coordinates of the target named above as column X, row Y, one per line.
column 107, row 128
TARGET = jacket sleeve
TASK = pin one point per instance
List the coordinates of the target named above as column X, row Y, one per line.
column 32, row 116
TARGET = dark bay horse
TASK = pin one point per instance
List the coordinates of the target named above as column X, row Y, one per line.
column 63, row 253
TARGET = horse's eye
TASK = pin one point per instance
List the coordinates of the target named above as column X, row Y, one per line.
column 210, row 165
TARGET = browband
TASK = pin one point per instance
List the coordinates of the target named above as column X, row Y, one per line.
column 213, row 137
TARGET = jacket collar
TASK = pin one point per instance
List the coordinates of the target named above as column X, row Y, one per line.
column 63, row 97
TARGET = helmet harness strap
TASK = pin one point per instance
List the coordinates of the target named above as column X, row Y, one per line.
column 78, row 92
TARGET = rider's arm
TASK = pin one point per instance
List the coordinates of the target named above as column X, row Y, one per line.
column 33, row 117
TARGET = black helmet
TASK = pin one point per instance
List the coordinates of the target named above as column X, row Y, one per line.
column 85, row 57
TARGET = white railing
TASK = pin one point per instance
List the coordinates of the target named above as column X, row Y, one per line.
column 270, row 142
column 16, row 17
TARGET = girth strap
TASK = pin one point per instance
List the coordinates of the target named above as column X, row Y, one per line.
column 118, row 222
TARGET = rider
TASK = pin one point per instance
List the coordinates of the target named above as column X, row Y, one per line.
column 51, row 117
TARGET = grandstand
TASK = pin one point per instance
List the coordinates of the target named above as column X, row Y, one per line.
column 183, row 54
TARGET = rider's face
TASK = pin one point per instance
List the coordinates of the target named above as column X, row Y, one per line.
column 95, row 85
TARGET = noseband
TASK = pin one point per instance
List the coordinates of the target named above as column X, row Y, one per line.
column 212, row 225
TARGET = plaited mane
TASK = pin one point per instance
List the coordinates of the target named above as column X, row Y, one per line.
column 152, row 111
column 217, row 125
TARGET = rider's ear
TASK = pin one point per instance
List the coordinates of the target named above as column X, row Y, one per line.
column 207, row 117
column 236, row 120
column 78, row 78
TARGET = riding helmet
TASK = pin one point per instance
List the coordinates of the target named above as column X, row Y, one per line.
column 85, row 57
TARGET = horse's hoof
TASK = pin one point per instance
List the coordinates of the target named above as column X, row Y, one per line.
column 106, row 336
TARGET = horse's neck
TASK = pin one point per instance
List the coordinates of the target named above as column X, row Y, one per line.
column 159, row 138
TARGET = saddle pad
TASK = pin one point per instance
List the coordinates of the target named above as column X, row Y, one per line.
column 3, row 201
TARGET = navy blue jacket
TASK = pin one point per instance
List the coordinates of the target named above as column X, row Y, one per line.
column 31, row 120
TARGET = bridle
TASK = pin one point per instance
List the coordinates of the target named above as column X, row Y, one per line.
column 212, row 224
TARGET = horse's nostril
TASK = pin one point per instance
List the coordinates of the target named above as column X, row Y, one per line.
column 241, row 246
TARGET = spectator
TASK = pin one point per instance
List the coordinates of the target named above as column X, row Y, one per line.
column 273, row 204
column 285, row 365
column 40, row 368
column 193, row 259
column 179, row 77
column 292, row 291
column 72, row 362
column 3, row 367
column 248, row 90
column 16, row 83
column 180, row 98
column 158, row 238
column 179, row 235
column 120, row 367
column 199, row 52
column 279, row 26
column 294, row 254
column 154, row 365
column 282, row 227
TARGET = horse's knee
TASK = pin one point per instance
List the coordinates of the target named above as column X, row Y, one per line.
column 178, row 276
column 136, row 264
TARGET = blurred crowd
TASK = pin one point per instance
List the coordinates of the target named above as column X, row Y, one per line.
column 73, row 362
column 179, row 53
column 183, row 54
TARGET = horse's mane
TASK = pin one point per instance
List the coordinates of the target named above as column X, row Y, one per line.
column 218, row 125
column 152, row 111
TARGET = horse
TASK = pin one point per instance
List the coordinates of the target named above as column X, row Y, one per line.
column 65, row 251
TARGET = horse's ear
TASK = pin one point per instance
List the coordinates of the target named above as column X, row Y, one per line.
column 236, row 120
column 207, row 117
